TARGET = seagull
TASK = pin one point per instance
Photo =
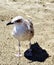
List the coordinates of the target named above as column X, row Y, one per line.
column 23, row 30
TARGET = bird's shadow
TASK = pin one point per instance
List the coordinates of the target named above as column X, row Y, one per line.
column 38, row 54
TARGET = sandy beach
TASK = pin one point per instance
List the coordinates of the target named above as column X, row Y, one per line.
column 41, row 12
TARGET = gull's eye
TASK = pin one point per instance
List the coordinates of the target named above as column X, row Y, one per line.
column 18, row 21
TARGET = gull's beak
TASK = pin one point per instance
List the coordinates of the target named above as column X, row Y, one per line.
column 10, row 23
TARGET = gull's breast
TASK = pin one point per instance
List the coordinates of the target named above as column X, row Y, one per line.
column 20, row 32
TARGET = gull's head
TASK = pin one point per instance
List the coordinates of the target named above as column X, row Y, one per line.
column 16, row 20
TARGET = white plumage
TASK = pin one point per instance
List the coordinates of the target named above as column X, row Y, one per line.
column 23, row 29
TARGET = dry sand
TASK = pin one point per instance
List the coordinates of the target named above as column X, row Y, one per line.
column 42, row 14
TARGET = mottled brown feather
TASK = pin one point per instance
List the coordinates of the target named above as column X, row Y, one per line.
column 31, row 30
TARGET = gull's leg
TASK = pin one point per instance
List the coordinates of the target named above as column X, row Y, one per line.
column 30, row 50
column 19, row 53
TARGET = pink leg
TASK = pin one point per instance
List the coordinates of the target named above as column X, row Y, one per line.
column 19, row 53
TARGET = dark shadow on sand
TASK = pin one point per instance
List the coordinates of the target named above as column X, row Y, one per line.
column 38, row 54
